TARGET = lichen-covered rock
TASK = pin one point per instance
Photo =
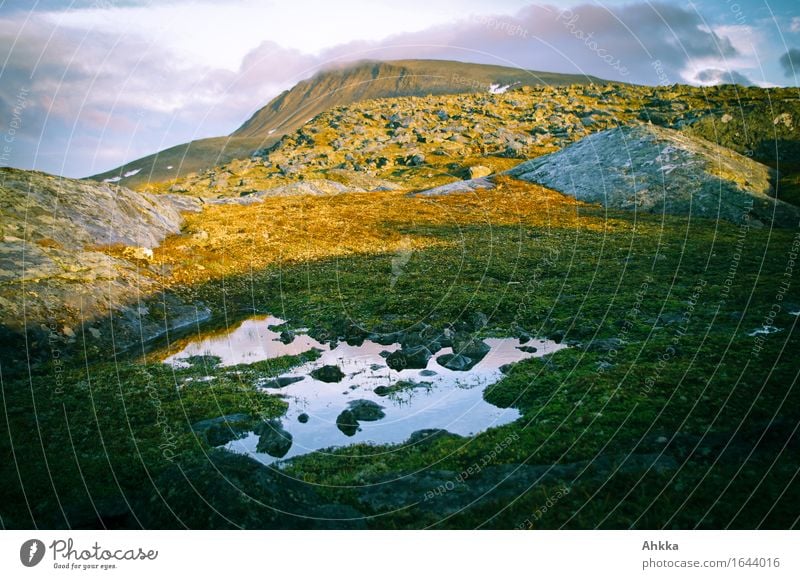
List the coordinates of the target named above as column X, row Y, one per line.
column 654, row 169
column 66, row 230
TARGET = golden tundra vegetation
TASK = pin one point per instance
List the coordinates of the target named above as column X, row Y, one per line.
column 234, row 239
column 378, row 152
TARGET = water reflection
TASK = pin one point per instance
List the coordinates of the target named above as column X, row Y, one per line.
column 351, row 395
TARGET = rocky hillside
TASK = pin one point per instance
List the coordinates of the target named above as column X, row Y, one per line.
column 374, row 80
column 74, row 250
column 422, row 142
column 653, row 169
column 331, row 88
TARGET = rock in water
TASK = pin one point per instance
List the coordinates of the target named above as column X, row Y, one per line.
column 455, row 362
column 472, row 348
column 223, row 429
column 414, row 357
column 653, row 169
column 281, row 382
column 366, row 410
column 273, row 439
column 328, row 374
column 347, row 423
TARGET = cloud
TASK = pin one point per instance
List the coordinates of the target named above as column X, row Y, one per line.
column 790, row 62
column 714, row 76
column 794, row 25
column 95, row 100
column 105, row 88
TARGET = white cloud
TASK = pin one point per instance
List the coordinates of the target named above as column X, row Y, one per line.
column 220, row 34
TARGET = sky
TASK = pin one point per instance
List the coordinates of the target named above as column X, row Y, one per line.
column 88, row 85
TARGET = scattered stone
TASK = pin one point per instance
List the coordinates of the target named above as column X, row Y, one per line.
column 479, row 171
column 366, row 410
column 273, row 439
column 347, row 423
column 456, row 362
column 281, row 381
column 414, row 357
column 328, row 373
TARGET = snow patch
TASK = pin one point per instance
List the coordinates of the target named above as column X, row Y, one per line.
column 500, row 89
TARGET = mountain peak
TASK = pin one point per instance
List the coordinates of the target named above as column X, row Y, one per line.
column 338, row 85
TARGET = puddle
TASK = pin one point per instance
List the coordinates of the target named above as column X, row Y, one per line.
column 443, row 398
column 252, row 341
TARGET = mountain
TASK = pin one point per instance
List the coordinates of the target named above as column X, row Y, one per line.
column 327, row 89
column 375, row 80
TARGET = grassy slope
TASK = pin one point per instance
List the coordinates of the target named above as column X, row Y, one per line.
column 556, row 272
column 186, row 159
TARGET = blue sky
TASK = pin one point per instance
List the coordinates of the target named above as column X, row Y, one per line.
column 88, row 85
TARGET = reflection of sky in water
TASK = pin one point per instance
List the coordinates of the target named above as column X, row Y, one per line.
column 453, row 401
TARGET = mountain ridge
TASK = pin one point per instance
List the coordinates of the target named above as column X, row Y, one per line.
column 328, row 88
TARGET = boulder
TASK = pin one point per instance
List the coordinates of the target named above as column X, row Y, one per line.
column 455, row 362
column 655, row 169
column 478, row 171
column 328, row 373
column 347, row 423
column 366, row 410
column 415, row 160
column 414, row 357
column 273, row 439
